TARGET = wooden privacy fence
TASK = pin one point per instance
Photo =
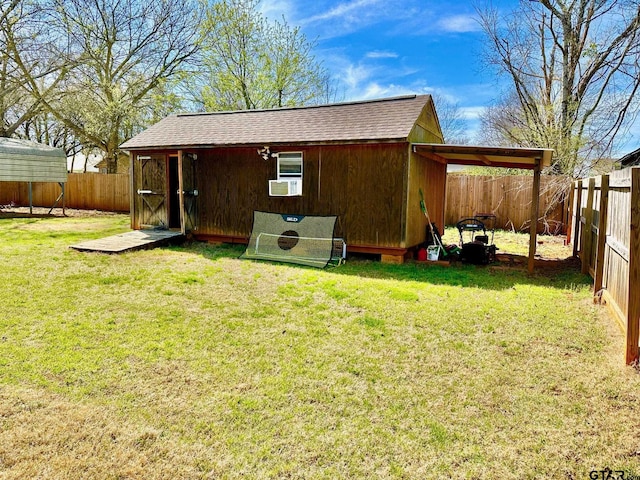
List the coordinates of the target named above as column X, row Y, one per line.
column 605, row 228
column 509, row 199
column 94, row 191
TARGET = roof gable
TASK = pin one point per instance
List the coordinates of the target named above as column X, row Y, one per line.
column 389, row 119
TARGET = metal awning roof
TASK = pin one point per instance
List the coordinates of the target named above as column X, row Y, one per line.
column 26, row 161
column 507, row 157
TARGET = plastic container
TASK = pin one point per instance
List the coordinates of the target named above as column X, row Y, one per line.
column 433, row 252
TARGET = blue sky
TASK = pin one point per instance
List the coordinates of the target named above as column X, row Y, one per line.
column 383, row 48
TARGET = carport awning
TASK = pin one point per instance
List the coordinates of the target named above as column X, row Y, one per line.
column 506, row 157
column 528, row 158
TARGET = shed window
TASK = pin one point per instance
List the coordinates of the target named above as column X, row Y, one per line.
column 289, row 165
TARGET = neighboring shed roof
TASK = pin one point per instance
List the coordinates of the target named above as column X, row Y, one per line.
column 630, row 159
column 26, row 161
column 375, row 120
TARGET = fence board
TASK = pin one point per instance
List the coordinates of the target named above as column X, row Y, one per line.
column 508, row 198
column 601, row 232
column 94, row 191
column 633, row 314
column 586, row 219
column 610, row 245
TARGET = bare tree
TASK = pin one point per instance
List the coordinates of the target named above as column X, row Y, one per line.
column 451, row 120
column 127, row 48
column 573, row 71
column 30, row 57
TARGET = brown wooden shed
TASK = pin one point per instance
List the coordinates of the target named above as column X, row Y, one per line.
column 365, row 162
column 207, row 173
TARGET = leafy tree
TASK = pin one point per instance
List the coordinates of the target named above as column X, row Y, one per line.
column 128, row 49
column 249, row 62
column 573, row 72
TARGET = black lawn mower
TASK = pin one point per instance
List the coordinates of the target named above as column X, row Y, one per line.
column 478, row 249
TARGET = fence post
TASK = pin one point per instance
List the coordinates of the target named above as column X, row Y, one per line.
column 578, row 215
column 585, row 255
column 602, row 233
column 633, row 315
column 568, row 213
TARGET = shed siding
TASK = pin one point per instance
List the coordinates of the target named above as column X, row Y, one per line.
column 426, row 175
column 366, row 173
column 363, row 185
column 375, row 193
column 427, row 128
column 430, row 177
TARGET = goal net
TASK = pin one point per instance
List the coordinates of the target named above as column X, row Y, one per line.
column 302, row 239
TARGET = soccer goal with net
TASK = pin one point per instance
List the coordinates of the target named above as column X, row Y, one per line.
column 302, row 239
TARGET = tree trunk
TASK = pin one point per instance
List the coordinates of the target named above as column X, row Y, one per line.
column 112, row 161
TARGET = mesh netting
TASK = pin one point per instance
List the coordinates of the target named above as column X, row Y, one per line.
column 302, row 239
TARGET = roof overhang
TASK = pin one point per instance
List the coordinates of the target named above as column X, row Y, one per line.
column 278, row 144
column 506, row 157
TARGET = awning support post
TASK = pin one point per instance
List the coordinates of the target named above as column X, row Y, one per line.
column 30, row 198
column 535, row 210
column 60, row 197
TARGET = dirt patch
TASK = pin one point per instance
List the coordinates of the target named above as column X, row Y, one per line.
column 8, row 211
column 508, row 260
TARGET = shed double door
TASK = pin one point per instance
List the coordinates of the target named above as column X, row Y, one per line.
column 167, row 194
column 152, row 192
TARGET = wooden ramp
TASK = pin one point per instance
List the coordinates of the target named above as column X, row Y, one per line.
column 134, row 240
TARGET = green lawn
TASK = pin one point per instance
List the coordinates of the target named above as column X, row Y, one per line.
column 185, row 362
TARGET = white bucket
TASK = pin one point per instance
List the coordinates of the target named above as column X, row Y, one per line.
column 432, row 253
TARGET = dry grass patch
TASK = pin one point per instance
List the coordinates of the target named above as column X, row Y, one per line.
column 47, row 436
column 186, row 362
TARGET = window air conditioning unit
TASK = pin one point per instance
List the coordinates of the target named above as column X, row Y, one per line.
column 285, row 188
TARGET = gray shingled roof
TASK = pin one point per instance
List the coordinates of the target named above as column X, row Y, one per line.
column 382, row 120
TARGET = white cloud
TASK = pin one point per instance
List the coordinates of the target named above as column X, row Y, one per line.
column 372, row 90
column 276, row 9
column 355, row 75
column 471, row 113
column 375, row 90
column 347, row 17
column 361, row 82
column 348, row 11
column 381, row 54
column 459, row 24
